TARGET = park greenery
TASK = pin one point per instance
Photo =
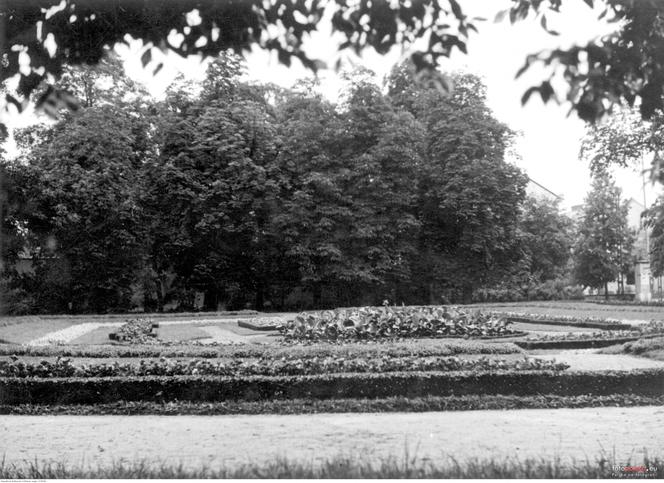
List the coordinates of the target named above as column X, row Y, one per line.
column 255, row 195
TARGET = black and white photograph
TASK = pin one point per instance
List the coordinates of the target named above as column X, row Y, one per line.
column 331, row 239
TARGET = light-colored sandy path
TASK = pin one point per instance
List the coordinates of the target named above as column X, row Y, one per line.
column 230, row 441
column 68, row 334
column 590, row 360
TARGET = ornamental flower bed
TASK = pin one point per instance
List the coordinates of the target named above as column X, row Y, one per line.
column 136, row 331
column 390, row 323
column 272, row 367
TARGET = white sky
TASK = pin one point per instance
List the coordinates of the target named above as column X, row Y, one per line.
column 548, row 146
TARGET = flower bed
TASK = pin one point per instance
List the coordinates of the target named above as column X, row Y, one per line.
column 136, row 331
column 370, row 323
column 271, row 367
column 422, row 347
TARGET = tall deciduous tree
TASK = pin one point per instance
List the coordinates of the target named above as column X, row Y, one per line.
column 86, row 189
column 546, row 238
column 468, row 195
column 604, row 242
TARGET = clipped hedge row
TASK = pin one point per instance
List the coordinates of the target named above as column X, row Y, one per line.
column 572, row 344
column 419, row 347
column 313, row 406
column 608, row 325
column 255, row 388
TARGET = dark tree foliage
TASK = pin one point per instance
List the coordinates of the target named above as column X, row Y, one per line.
column 86, row 217
column 254, row 194
column 467, row 193
column 604, row 242
column 620, row 68
column 546, row 237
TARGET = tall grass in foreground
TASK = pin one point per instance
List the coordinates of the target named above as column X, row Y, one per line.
column 343, row 467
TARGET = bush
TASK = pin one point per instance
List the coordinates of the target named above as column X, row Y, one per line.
column 330, row 386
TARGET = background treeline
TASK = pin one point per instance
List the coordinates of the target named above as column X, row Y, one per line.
column 262, row 197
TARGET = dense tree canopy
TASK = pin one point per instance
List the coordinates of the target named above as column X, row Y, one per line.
column 258, row 196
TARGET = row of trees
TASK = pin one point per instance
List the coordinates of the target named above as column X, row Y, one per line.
column 259, row 196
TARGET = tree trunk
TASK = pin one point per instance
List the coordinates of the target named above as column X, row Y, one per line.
column 159, row 292
column 606, row 290
column 317, row 294
column 467, row 295
column 260, row 296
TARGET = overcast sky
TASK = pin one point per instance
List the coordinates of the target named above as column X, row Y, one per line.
column 548, row 144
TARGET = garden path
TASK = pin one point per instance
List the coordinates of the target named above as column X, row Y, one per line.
column 590, row 360
column 70, row 333
column 231, row 441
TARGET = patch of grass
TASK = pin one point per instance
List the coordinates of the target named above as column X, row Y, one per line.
column 181, row 332
column 421, row 347
column 97, row 336
column 345, row 467
column 343, row 405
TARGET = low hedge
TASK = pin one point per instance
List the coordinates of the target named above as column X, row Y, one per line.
column 249, row 325
column 313, row 406
column 572, row 344
column 421, row 347
column 255, row 388
column 573, row 323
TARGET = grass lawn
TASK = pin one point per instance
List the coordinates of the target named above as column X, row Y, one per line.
column 349, row 467
column 181, row 332
column 22, row 333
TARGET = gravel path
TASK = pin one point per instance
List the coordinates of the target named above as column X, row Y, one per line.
column 234, row 440
column 590, row 360
column 73, row 332
column 68, row 334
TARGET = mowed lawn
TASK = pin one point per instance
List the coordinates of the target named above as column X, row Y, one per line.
column 578, row 309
